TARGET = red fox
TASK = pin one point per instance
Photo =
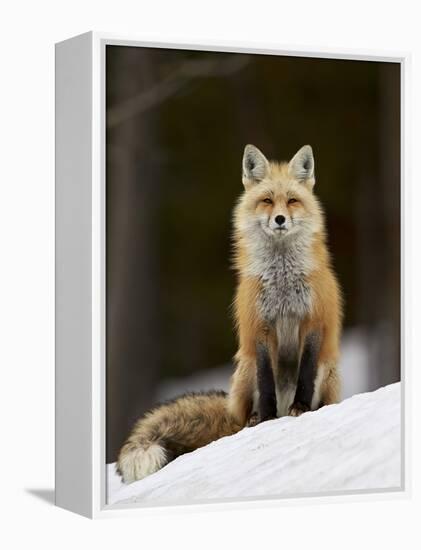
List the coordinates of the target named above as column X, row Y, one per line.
column 288, row 313
column 288, row 306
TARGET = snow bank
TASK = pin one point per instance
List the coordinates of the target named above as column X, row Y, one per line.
column 355, row 445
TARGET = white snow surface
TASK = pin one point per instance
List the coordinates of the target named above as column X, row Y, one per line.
column 352, row 446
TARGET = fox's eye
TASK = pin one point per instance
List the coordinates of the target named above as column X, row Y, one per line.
column 291, row 201
column 268, row 201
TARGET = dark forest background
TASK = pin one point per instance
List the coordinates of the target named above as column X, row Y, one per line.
column 177, row 123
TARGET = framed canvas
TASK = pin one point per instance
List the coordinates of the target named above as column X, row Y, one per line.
column 230, row 275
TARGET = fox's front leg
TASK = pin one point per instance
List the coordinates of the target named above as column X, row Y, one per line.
column 307, row 375
column 265, row 384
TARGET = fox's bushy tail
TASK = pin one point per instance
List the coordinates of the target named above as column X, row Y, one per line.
column 174, row 428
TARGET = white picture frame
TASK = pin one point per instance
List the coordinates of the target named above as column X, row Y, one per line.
column 80, row 269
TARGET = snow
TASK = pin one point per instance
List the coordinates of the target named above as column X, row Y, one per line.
column 352, row 446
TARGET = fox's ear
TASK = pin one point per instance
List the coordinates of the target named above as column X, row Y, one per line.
column 255, row 166
column 301, row 166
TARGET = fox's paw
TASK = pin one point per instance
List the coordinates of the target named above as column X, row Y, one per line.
column 297, row 409
column 253, row 420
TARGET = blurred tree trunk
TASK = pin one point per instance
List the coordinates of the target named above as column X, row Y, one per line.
column 389, row 165
column 378, row 234
column 132, row 182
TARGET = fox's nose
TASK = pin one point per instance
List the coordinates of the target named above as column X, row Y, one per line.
column 280, row 220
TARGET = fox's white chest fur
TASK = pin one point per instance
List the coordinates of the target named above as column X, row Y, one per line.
column 282, row 268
